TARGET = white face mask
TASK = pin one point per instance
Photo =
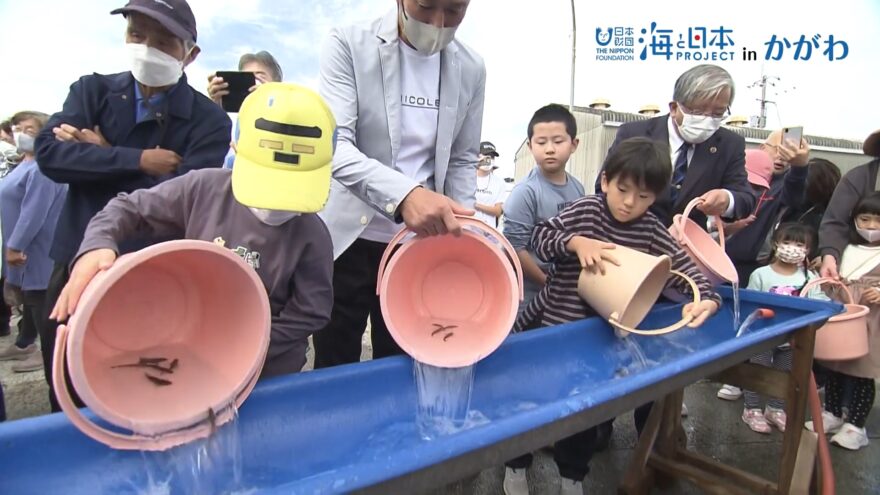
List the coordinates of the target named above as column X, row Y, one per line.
column 9, row 154
column 486, row 168
column 870, row 235
column 152, row 67
column 791, row 253
column 273, row 217
column 695, row 129
column 426, row 38
column 24, row 142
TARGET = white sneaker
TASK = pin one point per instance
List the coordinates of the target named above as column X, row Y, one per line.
column 830, row 423
column 684, row 410
column 515, row 482
column 851, row 437
column 571, row 487
column 13, row 352
column 729, row 392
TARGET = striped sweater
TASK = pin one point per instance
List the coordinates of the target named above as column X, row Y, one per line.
column 558, row 302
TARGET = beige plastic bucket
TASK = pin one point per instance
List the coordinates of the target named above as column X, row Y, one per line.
column 625, row 294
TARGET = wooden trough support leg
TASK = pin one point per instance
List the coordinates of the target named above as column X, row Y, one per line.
column 639, row 478
column 662, row 452
column 794, row 461
column 662, row 432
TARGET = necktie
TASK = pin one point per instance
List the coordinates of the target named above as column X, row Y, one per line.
column 679, row 171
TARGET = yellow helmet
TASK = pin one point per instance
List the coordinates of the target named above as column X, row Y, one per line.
column 287, row 135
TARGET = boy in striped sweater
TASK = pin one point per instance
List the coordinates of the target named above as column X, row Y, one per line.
column 583, row 237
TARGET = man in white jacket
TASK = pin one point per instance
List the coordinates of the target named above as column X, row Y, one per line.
column 408, row 101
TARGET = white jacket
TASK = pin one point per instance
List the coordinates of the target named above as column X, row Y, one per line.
column 360, row 80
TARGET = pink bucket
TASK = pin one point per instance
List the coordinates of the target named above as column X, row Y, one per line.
column 450, row 301
column 708, row 255
column 844, row 336
column 163, row 343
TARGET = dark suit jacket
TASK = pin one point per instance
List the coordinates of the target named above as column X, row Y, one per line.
column 196, row 129
column 718, row 163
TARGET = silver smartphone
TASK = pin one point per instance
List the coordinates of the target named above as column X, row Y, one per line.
column 794, row 134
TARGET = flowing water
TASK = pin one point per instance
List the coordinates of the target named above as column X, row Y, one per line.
column 211, row 465
column 444, row 397
column 638, row 362
column 736, row 315
column 749, row 320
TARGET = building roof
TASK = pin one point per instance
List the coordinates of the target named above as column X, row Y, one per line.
column 749, row 133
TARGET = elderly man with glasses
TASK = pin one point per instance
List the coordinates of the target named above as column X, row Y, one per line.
column 708, row 160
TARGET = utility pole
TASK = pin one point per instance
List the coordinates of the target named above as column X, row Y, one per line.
column 573, row 50
column 763, row 83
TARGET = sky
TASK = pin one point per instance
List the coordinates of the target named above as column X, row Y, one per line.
column 526, row 46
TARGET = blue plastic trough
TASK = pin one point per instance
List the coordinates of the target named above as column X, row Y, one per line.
column 352, row 427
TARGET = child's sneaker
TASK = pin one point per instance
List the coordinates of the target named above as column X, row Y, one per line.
column 729, row 392
column 851, row 437
column 515, row 482
column 775, row 417
column 571, row 487
column 756, row 421
column 830, row 423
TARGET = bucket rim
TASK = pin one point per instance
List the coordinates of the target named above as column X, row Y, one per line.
column 859, row 311
column 83, row 314
column 729, row 266
column 460, row 360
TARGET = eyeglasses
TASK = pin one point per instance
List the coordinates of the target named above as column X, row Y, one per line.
column 703, row 113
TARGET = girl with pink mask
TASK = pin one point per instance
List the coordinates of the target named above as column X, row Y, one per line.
column 786, row 274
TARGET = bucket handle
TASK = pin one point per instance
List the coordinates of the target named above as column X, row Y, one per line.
column 111, row 438
column 827, row 280
column 679, row 222
column 613, row 321
column 465, row 220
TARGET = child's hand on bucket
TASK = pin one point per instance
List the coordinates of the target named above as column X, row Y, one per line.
column 828, row 269
column 871, row 296
column 85, row 269
column 700, row 312
column 592, row 253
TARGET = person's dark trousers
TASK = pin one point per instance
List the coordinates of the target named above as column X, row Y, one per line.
column 48, row 330
column 603, row 435
column 820, row 373
column 354, row 299
column 640, row 417
column 32, row 317
column 5, row 312
column 571, row 454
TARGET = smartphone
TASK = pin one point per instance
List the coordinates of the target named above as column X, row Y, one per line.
column 794, row 134
column 240, row 84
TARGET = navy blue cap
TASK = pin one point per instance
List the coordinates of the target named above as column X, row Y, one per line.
column 488, row 149
column 174, row 15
